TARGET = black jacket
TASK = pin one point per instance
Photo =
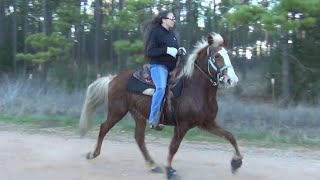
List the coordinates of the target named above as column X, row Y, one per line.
column 160, row 39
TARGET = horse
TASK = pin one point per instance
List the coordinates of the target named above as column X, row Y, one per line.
column 204, row 69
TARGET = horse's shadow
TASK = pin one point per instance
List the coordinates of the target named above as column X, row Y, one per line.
column 175, row 177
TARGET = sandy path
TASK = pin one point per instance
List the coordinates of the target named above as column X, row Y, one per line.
column 25, row 155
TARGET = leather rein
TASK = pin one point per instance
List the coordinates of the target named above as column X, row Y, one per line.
column 215, row 80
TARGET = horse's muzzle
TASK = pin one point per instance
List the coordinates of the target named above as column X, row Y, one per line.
column 229, row 82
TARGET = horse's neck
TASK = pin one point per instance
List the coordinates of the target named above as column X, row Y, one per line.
column 201, row 84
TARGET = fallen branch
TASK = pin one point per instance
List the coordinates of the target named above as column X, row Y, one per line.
column 303, row 67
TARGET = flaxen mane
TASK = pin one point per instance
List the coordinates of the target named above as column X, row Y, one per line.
column 188, row 68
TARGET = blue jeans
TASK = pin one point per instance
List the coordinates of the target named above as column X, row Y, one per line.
column 159, row 75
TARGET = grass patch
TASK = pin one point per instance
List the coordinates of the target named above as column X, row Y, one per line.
column 127, row 125
column 269, row 140
column 40, row 121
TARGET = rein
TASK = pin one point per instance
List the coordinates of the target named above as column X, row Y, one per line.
column 212, row 79
column 212, row 62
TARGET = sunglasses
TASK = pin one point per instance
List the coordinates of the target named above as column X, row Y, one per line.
column 171, row 18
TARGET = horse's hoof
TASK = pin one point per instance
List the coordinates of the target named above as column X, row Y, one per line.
column 171, row 173
column 235, row 165
column 90, row 155
column 156, row 169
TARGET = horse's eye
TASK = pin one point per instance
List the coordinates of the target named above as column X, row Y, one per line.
column 217, row 56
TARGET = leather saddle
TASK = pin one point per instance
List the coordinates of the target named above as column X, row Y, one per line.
column 144, row 75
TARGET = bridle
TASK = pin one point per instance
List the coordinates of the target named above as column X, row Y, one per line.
column 215, row 80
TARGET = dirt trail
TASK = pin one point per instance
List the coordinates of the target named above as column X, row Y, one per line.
column 38, row 156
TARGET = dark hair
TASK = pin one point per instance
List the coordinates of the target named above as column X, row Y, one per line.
column 147, row 27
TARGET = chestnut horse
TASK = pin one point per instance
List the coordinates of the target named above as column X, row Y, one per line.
column 205, row 67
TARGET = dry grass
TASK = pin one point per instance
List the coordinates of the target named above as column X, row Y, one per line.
column 20, row 97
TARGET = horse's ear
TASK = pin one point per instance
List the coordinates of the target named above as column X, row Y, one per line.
column 225, row 40
column 210, row 39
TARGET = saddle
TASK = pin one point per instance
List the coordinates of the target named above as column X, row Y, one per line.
column 144, row 75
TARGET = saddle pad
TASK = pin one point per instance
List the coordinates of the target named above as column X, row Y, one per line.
column 136, row 86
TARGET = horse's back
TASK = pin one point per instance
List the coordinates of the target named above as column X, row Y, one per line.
column 119, row 83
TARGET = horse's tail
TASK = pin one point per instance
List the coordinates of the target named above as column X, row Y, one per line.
column 97, row 94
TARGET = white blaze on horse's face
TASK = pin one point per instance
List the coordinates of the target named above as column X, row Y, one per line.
column 231, row 79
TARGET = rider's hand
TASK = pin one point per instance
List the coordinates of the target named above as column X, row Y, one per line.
column 172, row 51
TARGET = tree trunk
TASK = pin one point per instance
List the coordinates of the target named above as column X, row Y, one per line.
column 82, row 36
column 47, row 16
column 112, row 39
column 83, row 52
column 46, row 29
column 245, row 30
column 178, row 24
column 285, row 69
column 214, row 17
column 97, row 42
column 189, row 27
column 25, row 32
column 2, row 23
column 14, row 38
column 121, row 58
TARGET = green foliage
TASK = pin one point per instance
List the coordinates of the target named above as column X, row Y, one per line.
column 226, row 5
column 305, row 71
column 130, row 17
column 308, row 22
column 294, row 6
column 245, row 14
column 135, row 61
column 71, row 77
column 276, row 22
column 69, row 14
column 49, row 48
column 313, row 7
column 127, row 47
column 133, row 50
column 272, row 22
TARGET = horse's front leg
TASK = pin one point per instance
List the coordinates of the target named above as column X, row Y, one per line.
column 236, row 161
column 179, row 134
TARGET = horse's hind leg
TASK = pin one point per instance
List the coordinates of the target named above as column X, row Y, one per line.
column 104, row 128
column 217, row 130
column 140, row 139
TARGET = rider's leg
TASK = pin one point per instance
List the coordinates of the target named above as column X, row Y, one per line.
column 159, row 75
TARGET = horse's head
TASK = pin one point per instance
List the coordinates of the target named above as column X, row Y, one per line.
column 213, row 60
column 218, row 61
